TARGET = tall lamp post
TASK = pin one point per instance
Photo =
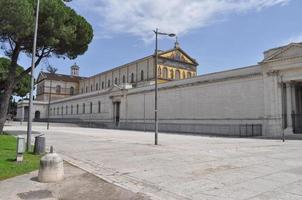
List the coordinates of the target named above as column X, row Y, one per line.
column 156, row 81
column 29, row 124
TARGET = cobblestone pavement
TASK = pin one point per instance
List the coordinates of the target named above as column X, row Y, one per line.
column 182, row 166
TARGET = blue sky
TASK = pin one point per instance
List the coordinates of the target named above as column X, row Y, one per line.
column 219, row 34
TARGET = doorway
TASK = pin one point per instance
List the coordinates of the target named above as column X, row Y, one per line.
column 116, row 108
column 37, row 114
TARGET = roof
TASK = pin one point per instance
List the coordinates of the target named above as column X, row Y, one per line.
column 60, row 77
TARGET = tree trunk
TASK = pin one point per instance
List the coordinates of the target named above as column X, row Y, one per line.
column 9, row 87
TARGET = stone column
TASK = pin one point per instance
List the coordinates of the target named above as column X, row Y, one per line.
column 289, row 128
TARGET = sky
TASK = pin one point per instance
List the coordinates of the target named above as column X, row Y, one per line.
column 219, row 34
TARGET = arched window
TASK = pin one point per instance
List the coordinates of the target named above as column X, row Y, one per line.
column 102, row 84
column 171, row 74
column 142, row 75
column 97, row 86
column 124, row 79
column 77, row 108
column 189, row 75
column 58, row 89
column 108, row 83
column 90, row 107
column 83, row 111
column 99, row 106
column 183, row 75
column 115, row 81
column 132, row 78
column 177, row 74
column 71, row 90
column 159, row 72
column 71, row 109
column 165, row 73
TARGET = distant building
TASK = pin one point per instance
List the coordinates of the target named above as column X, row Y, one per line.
column 264, row 99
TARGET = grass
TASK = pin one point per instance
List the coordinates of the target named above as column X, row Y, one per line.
column 8, row 165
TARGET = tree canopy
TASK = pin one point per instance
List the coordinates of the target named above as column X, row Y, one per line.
column 23, row 87
column 61, row 33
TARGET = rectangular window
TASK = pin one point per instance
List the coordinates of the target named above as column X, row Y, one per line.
column 77, row 108
column 90, row 107
column 66, row 110
column 99, row 107
column 71, row 109
column 83, row 108
column 62, row 110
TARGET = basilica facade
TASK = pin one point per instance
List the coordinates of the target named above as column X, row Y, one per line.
column 263, row 99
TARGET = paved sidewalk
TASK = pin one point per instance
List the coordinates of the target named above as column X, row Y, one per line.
column 184, row 167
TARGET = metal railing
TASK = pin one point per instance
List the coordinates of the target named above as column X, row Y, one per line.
column 297, row 123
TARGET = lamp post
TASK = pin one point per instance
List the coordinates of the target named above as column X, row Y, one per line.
column 156, row 81
column 30, row 108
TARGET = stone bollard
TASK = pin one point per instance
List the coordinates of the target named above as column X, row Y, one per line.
column 51, row 168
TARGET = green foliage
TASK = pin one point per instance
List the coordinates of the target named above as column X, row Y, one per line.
column 23, row 86
column 62, row 32
column 8, row 166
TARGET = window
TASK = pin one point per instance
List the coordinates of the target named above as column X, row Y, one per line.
column 66, row 110
column 90, row 107
column 159, row 72
column 50, row 112
column 124, row 79
column 177, row 74
column 62, row 110
column 58, row 89
column 115, row 81
column 189, row 75
column 97, row 86
column 58, row 110
column 165, row 73
column 132, row 78
column 99, row 107
column 54, row 111
column 71, row 109
column 77, row 108
column 83, row 108
column 86, row 89
column 142, row 75
column 71, row 90
column 102, row 84
column 171, row 74
column 108, row 83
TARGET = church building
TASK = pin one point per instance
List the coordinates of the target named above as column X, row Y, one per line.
column 263, row 99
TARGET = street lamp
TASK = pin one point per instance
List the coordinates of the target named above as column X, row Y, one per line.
column 30, row 108
column 156, row 81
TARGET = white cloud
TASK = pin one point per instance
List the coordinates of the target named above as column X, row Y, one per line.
column 140, row 17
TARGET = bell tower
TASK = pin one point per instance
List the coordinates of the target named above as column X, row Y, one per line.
column 75, row 70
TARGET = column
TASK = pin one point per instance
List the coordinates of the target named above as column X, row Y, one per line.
column 289, row 107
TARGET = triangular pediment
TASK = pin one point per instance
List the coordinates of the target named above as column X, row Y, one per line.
column 178, row 55
column 290, row 51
